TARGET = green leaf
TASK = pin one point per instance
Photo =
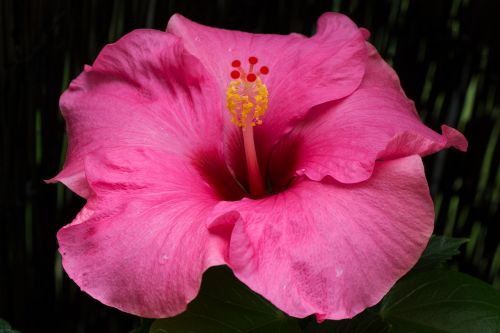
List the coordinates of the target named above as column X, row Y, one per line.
column 6, row 328
column 442, row 301
column 435, row 301
column 439, row 250
column 225, row 305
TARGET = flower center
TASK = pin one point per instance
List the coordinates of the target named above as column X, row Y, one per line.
column 247, row 102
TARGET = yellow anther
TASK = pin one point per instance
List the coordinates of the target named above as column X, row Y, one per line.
column 247, row 99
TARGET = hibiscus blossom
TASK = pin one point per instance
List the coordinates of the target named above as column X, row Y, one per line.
column 295, row 161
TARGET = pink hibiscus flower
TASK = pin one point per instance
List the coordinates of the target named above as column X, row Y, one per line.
column 293, row 160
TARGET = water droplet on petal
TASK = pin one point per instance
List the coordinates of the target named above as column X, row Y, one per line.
column 163, row 258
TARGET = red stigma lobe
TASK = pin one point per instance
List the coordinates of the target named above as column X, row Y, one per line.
column 235, row 75
column 251, row 77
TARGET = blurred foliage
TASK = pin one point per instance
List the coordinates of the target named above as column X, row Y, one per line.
column 446, row 53
column 6, row 328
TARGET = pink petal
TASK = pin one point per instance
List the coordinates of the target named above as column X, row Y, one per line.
column 142, row 91
column 303, row 69
column 328, row 248
column 343, row 139
column 141, row 243
column 304, row 72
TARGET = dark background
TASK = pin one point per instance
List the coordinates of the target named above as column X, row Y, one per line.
column 446, row 53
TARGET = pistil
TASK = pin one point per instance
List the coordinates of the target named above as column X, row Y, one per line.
column 247, row 102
